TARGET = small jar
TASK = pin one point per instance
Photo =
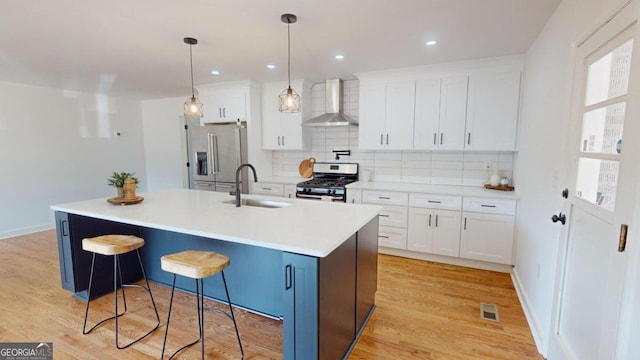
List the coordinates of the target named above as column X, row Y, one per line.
column 129, row 189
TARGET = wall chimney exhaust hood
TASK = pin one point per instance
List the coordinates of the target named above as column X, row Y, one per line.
column 333, row 108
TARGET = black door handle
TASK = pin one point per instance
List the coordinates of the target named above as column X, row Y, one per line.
column 560, row 217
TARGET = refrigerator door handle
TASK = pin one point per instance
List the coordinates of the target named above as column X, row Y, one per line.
column 210, row 155
column 216, row 154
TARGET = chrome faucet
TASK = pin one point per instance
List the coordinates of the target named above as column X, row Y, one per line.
column 237, row 192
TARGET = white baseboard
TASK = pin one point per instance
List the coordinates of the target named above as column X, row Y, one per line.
column 446, row 260
column 25, row 231
column 538, row 335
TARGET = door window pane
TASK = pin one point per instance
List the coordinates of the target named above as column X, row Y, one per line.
column 608, row 76
column 597, row 181
column 602, row 129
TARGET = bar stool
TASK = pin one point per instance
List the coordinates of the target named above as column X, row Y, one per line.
column 114, row 245
column 197, row 265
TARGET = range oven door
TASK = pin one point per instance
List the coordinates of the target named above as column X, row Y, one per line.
column 336, row 198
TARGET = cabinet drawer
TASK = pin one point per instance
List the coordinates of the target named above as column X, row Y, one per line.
column 431, row 201
column 392, row 237
column 267, row 189
column 385, row 197
column 489, row 205
column 393, row 216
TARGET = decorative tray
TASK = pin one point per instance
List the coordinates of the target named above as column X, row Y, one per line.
column 123, row 201
column 499, row 187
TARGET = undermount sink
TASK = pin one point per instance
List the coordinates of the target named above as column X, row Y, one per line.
column 259, row 203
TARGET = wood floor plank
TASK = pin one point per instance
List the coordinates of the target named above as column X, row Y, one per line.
column 424, row 311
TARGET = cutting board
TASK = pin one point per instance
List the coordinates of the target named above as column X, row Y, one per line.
column 306, row 167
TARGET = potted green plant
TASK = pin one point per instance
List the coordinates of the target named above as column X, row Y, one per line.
column 117, row 180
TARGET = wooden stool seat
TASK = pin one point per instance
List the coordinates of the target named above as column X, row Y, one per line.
column 194, row 264
column 197, row 265
column 112, row 244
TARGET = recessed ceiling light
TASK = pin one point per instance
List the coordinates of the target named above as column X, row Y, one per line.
column 339, row 57
column 215, row 72
column 431, row 42
column 271, row 66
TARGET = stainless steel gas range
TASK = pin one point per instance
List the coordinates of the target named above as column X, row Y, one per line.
column 329, row 181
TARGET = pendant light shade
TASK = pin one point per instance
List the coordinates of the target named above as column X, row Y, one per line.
column 289, row 100
column 192, row 107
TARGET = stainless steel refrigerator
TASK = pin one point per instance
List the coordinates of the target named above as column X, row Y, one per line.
column 215, row 151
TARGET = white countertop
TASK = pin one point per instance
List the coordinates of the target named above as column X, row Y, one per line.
column 433, row 189
column 307, row 227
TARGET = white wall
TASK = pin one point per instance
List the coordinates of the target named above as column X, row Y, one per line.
column 540, row 161
column 164, row 143
column 58, row 146
column 165, row 139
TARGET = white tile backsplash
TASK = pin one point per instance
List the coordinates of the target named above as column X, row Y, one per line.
column 423, row 167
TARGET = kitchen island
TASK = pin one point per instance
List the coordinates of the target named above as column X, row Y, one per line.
column 311, row 263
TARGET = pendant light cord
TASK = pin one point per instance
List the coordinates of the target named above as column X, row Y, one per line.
column 193, row 94
column 289, row 51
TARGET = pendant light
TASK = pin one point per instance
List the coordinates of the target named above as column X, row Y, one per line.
column 192, row 107
column 289, row 100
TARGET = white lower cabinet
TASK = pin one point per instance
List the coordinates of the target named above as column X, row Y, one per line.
column 354, row 196
column 488, row 235
column 434, row 231
column 272, row 189
column 290, row 191
column 392, row 237
column 392, row 231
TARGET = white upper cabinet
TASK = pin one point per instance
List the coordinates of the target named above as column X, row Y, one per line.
column 441, row 110
column 283, row 131
column 223, row 103
column 492, row 111
column 386, row 115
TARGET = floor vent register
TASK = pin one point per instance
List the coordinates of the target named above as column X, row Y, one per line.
column 489, row 312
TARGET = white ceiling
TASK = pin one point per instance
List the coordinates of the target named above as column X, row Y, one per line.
column 136, row 46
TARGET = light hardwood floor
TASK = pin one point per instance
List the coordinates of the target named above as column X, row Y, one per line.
column 425, row 311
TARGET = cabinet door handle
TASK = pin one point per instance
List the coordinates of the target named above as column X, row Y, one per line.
column 383, row 215
column 224, row 112
column 487, row 206
column 434, row 201
column 465, row 223
column 220, row 112
column 468, row 138
column 384, row 198
column 278, row 140
column 436, row 220
column 387, row 139
column 434, row 138
column 266, row 189
column 353, row 201
column 381, row 137
column 429, row 219
column 282, row 140
column 383, row 236
column 65, row 227
column 288, row 283
column 441, row 135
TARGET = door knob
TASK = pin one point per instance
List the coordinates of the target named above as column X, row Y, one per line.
column 560, row 217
